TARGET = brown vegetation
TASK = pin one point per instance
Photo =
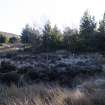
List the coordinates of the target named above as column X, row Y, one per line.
column 51, row 95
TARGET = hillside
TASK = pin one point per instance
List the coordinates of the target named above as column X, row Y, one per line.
column 7, row 34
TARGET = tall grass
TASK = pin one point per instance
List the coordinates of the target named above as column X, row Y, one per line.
column 51, row 95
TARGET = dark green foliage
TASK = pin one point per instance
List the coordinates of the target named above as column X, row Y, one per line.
column 101, row 35
column 55, row 38
column 35, row 40
column 26, row 34
column 88, row 39
column 2, row 39
column 102, row 25
column 46, row 36
column 31, row 36
column 71, row 39
column 88, row 24
column 52, row 38
column 99, row 41
column 13, row 40
column 88, row 35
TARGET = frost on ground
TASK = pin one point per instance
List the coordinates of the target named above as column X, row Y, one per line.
column 53, row 59
column 62, row 68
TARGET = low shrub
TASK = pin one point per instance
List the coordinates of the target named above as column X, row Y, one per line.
column 6, row 66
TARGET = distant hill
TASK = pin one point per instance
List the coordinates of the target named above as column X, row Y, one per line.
column 9, row 34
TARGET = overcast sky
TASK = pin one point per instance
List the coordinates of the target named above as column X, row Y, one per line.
column 14, row 14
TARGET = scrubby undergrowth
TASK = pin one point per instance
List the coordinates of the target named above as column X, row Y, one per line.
column 52, row 79
column 63, row 68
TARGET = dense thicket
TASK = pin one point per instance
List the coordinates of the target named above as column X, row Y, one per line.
column 88, row 38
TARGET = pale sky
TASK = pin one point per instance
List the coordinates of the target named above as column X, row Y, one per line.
column 15, row 14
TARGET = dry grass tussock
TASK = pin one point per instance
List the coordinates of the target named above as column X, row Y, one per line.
column 51, row 95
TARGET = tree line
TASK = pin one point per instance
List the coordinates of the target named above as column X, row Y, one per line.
column 4, row 39
column 89, row 38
